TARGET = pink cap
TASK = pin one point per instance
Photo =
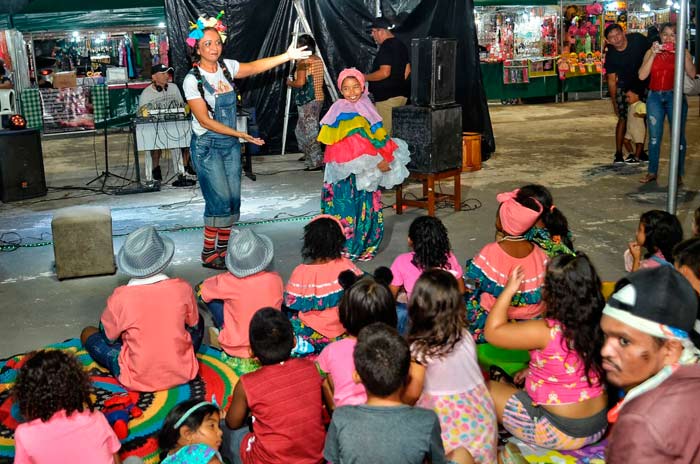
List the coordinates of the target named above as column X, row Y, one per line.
column 516, row 219
column 351, row 72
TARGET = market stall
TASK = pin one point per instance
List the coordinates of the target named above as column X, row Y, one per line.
column 86, row 66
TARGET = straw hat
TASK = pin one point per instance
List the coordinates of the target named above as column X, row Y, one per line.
column 145, row 253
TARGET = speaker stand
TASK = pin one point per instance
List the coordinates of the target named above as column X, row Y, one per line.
column 106, row 173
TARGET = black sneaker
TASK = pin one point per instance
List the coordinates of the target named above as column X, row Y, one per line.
column 619, row 159
column 183, row 181
column 631, row 159
column 644, row 157
column 157, row 175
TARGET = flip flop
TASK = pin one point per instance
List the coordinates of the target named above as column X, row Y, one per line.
column 648, row 178
column 499, row 375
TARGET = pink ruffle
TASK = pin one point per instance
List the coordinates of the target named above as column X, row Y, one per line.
column 355, row 146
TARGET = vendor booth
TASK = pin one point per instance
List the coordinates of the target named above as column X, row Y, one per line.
column 83, row 67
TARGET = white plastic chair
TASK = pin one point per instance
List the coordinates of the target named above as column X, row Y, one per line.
column 8, row 102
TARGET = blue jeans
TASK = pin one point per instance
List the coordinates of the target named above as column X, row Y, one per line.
column 231, row 442
column 402, row 317
column 106, row 353
column 217, row 160
column 660, row 106
column 216, row 309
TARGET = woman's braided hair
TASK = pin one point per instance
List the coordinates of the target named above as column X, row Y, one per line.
column 198, row 73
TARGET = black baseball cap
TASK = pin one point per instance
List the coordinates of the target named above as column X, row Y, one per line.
column 159, row 68
column 381, row 23
column 659, row 295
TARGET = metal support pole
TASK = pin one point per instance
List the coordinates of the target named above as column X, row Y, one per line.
column 678, row 98
column 288, row 102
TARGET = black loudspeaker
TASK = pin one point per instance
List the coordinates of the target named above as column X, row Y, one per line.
column 21, row 165
column 433, row 66
column 434, row 136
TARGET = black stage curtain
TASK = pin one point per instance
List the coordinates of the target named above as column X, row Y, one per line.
column 261, row 28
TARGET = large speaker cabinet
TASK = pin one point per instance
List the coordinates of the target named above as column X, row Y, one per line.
column 434, row 136
column 21, row 165
column 433, row 67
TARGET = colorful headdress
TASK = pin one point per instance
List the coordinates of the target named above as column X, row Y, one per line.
column 197, row 29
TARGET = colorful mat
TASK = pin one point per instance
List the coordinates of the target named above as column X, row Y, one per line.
column 517, row 452
column 216, row 378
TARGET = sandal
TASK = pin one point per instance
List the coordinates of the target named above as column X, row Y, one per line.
column 648, row 178
column 499, row 375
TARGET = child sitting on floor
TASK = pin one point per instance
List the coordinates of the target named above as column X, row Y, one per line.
column 686, row 258
column 191, row 434
column 551, row 231
column 385, row 430
column 427, row 236
column 283, row 397
column 234, row 296
column 53, row 395
column 490, row 267
column 365, row 302
column 445, row 373
column 563, row 405
column 313, row 290
column 696, row 222
column 151, row 328
column 658, row 232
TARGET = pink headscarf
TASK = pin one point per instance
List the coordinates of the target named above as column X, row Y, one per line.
column 351, row 72
column 516, row 219
column 333, row 218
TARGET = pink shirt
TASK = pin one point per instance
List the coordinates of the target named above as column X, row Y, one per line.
column 656, row 260
column 457, row 372
column 150, row 319
column 557, row 373
column 242, row 298
column 81, row 437
column 336, row 359
column 406, row 273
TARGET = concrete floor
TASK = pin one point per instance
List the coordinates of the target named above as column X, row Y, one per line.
column 567, row 147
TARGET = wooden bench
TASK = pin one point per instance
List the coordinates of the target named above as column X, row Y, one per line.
column 429, row 195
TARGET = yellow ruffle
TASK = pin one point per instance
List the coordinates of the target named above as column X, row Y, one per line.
column 330, row 135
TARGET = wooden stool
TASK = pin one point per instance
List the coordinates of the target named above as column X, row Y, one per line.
column 429, row 194
column 82, row 241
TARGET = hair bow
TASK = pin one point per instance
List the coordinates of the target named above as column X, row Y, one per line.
column 505, row 196
column 197, row 29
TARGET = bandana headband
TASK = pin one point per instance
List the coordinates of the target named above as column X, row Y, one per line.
column 197, row 29
column 351, row 72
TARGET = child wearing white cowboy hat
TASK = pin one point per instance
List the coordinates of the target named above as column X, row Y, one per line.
column 233, row 297
column 150, row 329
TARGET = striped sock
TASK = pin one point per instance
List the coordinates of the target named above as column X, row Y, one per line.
column 222, row 237
column 209, row 250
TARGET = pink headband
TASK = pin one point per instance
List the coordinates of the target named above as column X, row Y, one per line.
column 351, row 72
column 516, row 219
column 328, row 216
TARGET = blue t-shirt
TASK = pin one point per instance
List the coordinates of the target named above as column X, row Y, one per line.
column 197, row 454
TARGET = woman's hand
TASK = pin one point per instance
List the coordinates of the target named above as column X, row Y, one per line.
column 656, row 48
column 520, row 376
column 384, row 166
column 254, row 140
column 514, row 280
column 295, row 53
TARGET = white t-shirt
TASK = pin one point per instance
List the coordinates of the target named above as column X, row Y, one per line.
column 218, row 82
column 168, row 98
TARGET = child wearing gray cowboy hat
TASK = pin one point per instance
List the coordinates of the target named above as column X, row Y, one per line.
column 233, row 297
column 150, row 330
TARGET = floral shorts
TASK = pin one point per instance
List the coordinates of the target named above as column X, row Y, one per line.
column 535, row 425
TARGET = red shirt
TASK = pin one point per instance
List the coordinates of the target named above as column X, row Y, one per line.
column 662, row 72
column 285, row 400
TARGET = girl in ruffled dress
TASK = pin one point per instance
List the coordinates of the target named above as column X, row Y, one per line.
column 360, row 157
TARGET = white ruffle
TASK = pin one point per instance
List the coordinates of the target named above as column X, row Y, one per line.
column 367, row 176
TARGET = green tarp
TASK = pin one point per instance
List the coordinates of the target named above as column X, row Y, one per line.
column 99, row 19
